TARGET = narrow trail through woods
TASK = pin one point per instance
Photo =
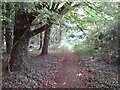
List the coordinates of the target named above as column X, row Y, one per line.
column 69, row 71
column 62, row 70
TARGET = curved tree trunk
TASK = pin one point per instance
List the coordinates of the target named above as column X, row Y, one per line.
column 46, row 42
column 20, row 42
column 22, row 35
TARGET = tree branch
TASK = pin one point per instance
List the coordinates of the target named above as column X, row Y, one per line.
column 41, row 29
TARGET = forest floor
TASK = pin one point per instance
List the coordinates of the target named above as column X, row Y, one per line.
column 63, row 70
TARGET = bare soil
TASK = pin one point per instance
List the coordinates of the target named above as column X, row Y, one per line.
column 63, row 70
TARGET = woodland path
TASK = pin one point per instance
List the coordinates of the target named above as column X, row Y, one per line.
column 65, row 70
column 62, row 70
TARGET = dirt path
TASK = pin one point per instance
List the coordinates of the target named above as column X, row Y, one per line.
column 68, row 70
column 62, row 70
column 71, row 73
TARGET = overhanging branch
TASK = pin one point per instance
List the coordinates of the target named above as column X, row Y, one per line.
column 39, row 30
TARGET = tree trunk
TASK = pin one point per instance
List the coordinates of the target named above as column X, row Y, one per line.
column 1, row 41
column 20, row 42
column 8, row 31
column 3, row 26
column 60, row 36
column 8, row 38
column 22, row 35
column 19, row 53
column 46, row 42
column 41, row 40
column 0, row 44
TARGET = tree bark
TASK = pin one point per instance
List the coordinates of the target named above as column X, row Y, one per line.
column 0, row 44
column 41, row 29
column 8, row 38
column 22, row 35
column 8, row 30
column 46, row 42
column 60, row 34
column 21, row 39
column 6, row 35
column 41, row 40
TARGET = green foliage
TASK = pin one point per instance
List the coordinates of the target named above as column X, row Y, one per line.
column 81, row 49
column 96, row 17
